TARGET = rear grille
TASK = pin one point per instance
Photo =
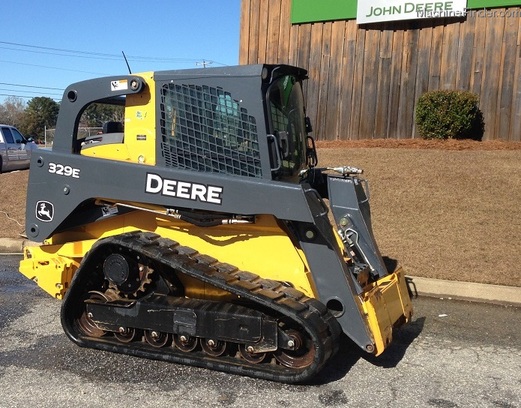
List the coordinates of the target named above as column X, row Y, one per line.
column 204, row 129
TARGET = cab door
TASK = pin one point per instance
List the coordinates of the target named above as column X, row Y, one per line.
column 11, row 149
column 21, row 143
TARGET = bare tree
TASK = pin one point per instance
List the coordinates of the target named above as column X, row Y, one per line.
column 12, row 111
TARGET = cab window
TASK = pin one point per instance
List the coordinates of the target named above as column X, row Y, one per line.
column 287, row 122
column 8, row 136
column 18, row 138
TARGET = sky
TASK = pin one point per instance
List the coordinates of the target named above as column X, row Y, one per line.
column 47, row 45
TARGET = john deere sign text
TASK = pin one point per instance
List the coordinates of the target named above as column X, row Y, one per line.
column 372, row 11
column 390, row 10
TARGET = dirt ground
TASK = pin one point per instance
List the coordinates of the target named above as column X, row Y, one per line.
column 448, row 210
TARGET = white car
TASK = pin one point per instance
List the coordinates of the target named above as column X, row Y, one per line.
column 15, row 149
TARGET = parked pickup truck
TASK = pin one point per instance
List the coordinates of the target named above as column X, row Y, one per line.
column 15, row 149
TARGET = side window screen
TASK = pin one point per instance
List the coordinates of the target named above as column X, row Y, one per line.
column 204, row 128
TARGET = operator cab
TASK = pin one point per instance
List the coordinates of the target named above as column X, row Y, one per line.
column 242, row 121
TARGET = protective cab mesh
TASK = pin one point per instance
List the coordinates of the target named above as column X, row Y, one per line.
column 203, row 128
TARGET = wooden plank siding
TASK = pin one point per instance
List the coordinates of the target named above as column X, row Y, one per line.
column 365, row 81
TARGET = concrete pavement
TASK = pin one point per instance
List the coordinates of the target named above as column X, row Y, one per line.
column 498, row 294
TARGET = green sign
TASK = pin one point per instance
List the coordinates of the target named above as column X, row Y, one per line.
column 307, row 11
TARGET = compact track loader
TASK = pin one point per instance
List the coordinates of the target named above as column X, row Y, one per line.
column 200, row 230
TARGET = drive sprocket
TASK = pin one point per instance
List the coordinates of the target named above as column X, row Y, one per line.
column 126, row 275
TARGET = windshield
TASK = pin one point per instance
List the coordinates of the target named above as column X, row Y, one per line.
column 287, row 122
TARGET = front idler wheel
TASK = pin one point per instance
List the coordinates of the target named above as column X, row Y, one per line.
column 301, row 352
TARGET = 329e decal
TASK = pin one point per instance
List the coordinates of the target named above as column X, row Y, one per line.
column 61, row 170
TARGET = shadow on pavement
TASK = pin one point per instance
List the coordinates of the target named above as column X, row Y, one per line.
column 349, row 353
column 403, row 338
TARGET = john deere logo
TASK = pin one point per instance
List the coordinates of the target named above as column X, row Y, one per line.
column 44, row 211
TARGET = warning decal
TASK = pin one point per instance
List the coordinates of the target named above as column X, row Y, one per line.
column 119, row 85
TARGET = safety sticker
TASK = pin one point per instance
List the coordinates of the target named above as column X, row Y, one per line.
column 119, row 85
column 109, row 210
column 44, row 211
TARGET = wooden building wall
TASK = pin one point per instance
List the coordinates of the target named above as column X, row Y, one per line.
column 365, row 81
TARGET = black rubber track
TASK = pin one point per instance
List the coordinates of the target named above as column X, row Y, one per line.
column 308, row 313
